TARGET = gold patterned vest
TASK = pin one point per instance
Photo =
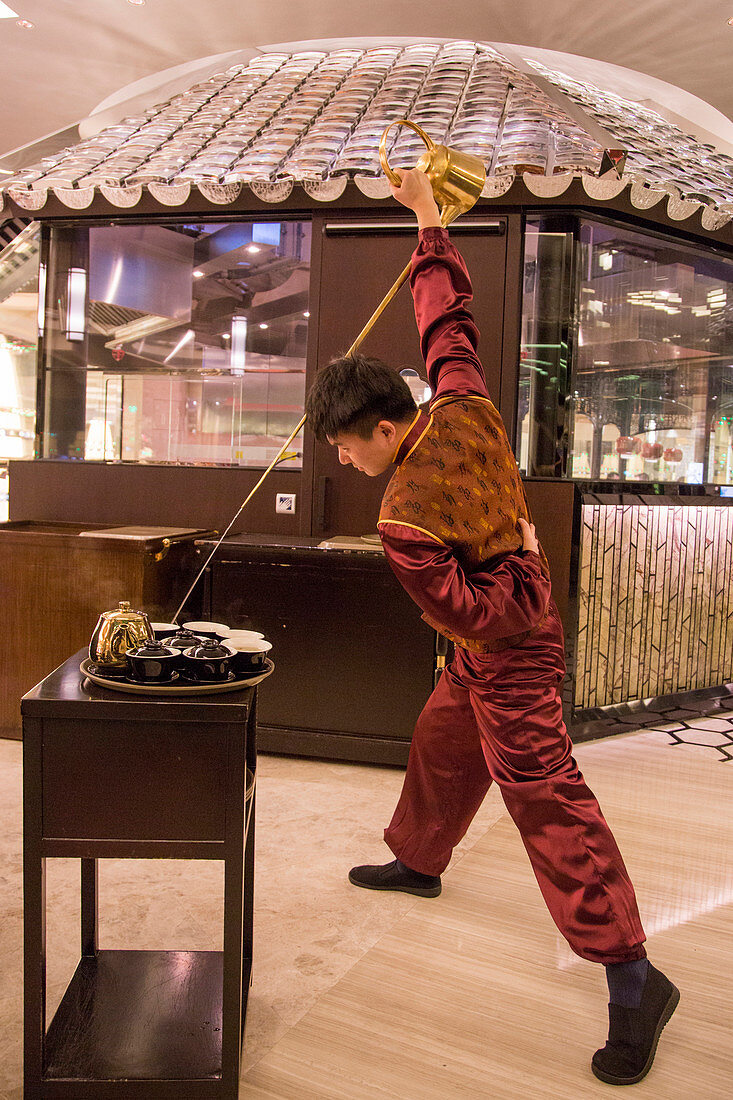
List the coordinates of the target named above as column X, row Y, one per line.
column 457, row 481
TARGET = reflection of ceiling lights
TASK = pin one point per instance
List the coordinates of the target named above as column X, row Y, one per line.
column 138, row 329
column 185, row 339
column 664, row 301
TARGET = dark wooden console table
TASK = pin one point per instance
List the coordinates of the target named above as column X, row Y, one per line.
column 138, row 777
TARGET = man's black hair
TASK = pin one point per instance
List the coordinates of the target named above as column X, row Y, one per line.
column 353, row 393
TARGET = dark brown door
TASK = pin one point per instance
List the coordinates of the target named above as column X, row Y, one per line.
column 360, row 263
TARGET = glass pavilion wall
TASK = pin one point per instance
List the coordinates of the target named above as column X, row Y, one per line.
column 176, row 343
column 626, row 361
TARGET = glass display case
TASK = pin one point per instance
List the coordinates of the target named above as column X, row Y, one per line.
column 179, row 343
column 627, row 356
column 19, row 267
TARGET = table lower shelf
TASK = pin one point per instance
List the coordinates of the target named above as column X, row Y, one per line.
column 139, row 1015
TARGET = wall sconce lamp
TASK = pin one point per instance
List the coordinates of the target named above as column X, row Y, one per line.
column 41, row 298
column 238, row 358
column 76, row 300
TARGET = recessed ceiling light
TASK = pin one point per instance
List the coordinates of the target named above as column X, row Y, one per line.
column 198, row 274
column 263, row 325
column 307, row 313
column 226, row 335
column 25, row 24
column 137, row 3
column 253, row 248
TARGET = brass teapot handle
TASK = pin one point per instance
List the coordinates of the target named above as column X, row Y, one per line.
column 391, row 175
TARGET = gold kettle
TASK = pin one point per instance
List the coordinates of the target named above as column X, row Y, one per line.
column 457, row 178
column 116, row 632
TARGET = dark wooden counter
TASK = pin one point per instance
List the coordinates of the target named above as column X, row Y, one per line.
column 55, row 583
column 355, row 662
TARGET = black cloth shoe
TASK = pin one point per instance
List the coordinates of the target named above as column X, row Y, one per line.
column 634, row 1032
column 395, row 876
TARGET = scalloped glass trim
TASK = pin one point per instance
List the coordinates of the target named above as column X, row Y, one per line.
column 78, row 199
column 713, row 219
column 271, row 192
column 170, row 194
column 496, row 186
column 29, row 200
column 325, row 190
column 644, row 197
column 547, row 187
column 122, row 196
column 374, row 187
column 603, row 189
column 220, row 193
column 679, row 209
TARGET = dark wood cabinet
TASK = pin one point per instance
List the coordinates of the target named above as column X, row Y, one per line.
column 55, row 583
column 354, row 662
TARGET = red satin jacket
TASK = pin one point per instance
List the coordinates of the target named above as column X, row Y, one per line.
column 480, row 607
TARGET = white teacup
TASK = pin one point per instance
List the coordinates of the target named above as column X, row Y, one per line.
column 207, row 630
column 251, row 654
column 243, row 636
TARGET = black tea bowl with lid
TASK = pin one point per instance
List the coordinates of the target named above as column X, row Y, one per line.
column 208, row 662
column 152, row 663
column 181, row 641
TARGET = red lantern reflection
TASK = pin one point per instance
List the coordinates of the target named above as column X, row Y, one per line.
column 627, row 445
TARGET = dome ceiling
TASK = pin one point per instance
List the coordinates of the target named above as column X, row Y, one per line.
column 315, row 118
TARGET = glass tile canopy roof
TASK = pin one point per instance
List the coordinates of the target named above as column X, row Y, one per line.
column 315, row 118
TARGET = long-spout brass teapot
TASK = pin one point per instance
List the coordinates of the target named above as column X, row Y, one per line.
column 457, row 178
column 116, row 632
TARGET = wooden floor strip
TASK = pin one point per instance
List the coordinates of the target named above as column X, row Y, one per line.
column 475, row 994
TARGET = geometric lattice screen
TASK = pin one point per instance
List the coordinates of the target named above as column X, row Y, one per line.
column 655, row 601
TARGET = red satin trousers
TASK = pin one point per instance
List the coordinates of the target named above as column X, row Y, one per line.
column 498, row 717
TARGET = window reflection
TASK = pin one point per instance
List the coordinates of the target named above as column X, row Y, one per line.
column 194, row 342
column 649, row 328
column 655, row 356
column 545, row 346
column 19, row 270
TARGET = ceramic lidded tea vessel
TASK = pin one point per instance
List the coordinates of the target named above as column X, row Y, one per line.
column 183, row 639
column 208, row 661
column 115, row 633
column 153, row 662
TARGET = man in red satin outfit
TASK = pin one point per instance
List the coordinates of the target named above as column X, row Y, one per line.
column 455, row 529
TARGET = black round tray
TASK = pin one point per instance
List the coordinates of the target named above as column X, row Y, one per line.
column 175, row 688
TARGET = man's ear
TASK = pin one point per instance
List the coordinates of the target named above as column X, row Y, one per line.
column 387, row 428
